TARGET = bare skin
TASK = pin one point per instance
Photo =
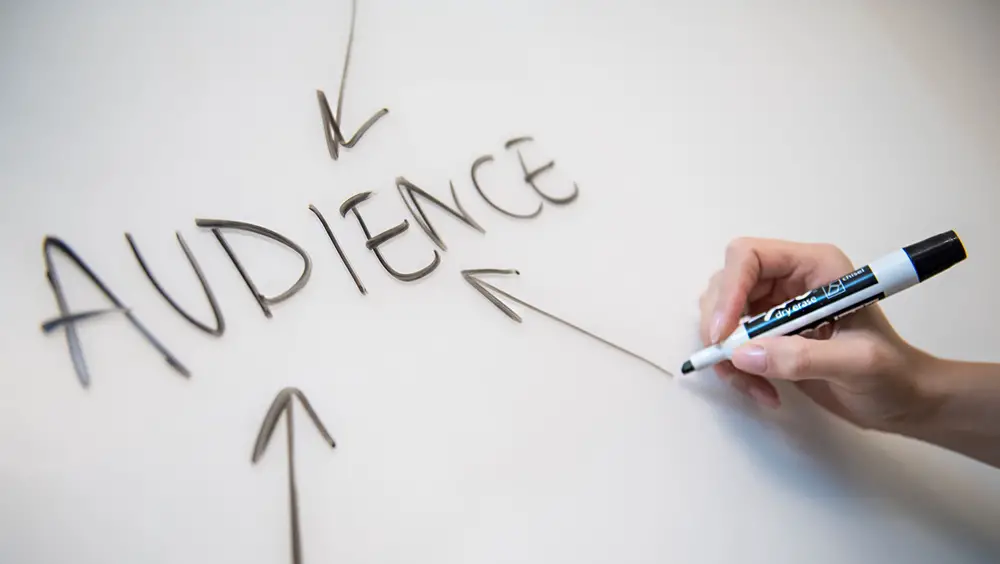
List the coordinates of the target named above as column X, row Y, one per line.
column 860, row 369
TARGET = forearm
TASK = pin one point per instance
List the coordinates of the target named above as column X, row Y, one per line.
column 963, row 408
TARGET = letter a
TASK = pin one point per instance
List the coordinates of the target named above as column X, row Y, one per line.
column 69, row 319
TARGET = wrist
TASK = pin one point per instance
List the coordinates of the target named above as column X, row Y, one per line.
column 924, row 395
column 931, row 393
column 956, row 406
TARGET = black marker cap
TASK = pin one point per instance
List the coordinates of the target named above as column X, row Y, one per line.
column 935, row 254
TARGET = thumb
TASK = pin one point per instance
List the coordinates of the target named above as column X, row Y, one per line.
column 798, row 358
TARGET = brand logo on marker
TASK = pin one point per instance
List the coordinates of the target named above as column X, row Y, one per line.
column 834, row 288
column 779, row 311
column 810, row 301
column 785, row 312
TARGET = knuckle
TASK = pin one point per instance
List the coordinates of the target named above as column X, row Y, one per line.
column 872, row 356
column 833, row 253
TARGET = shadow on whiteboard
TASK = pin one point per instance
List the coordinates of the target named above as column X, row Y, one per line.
column 813, row 455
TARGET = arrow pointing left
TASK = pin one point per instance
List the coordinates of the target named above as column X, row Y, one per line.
column 490, row 292
column 282, row 405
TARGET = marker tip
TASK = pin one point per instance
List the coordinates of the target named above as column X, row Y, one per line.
column 688, row 367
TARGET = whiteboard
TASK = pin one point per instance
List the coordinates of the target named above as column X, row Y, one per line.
column 462, row 436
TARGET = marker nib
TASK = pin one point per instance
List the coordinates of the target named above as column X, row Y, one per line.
column 688, row 367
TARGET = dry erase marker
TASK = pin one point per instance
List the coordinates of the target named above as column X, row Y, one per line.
column 886, row 276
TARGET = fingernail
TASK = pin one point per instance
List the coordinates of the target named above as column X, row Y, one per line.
column 752, row 359
column 764, row 397
column 716, row 330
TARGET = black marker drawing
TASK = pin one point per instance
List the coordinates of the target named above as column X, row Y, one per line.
column 407, row 188
column 51, row 325
column 331, row 121
column 217, row 224
column 336, row 245
column 517, row 141
column 475, row 182
column 66, row 317
column 529, row 176
column 373, row 243
column 220, row 323
column 282, row 405
column 471, row 276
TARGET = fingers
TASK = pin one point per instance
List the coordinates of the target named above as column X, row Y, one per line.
column 709, row 298
column 747, row 262
column 843, row 360
column 752, row 264
column 764, row 287
column 740, row 275
column 707, row 305
column 756, row 387
column 765, row 270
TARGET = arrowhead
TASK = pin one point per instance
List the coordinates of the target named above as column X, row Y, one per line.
column 485, row 288
column 278, row 406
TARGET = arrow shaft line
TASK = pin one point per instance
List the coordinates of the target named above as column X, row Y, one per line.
column 347, row 62
column 576, row 327
column 331, row 118
column 283, row 404
column 293, row 496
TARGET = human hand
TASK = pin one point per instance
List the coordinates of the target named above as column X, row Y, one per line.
column 858, row 367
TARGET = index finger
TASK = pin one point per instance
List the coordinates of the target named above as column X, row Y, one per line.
column 748, row 261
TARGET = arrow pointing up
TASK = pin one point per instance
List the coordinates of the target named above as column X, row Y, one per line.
column 485, row 288
column 282, row 404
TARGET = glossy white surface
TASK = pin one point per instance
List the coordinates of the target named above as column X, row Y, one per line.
column 463, row 437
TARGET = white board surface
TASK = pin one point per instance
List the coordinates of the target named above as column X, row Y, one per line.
column 463, row 437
